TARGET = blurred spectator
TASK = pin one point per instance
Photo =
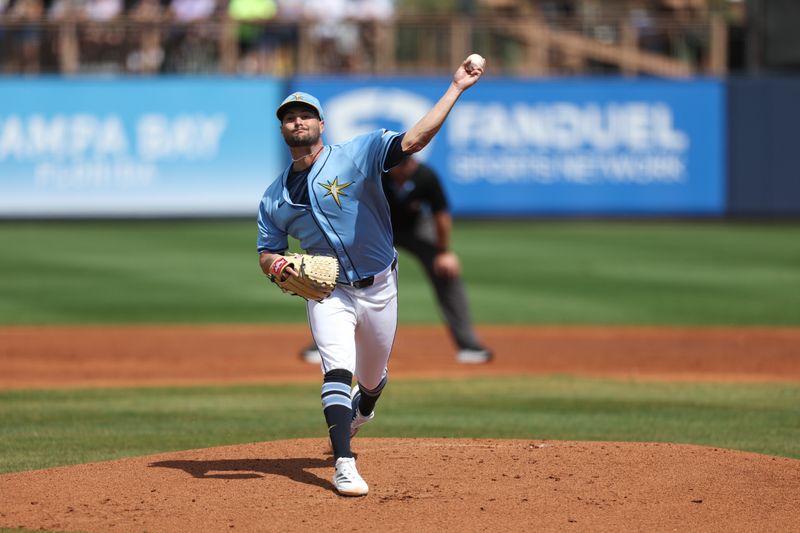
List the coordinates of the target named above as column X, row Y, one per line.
column 149, row 55
column 258, row 42
column 291, row 10
column 557, row 13
column 598, row 23
column 5, row 45
column 102, row 10
column 88, row 39
column 370, row 14
column 643, row 17
column 335, row 38
column 193, row 43
column 26, row 15
column 345, row 31
column 690, row 38
column 101, row 39
column 4, row 5
column 64, row 13
column 85, row 10
column 466, row 7
column 186, row 11
column 370, row 10
column 64, row 9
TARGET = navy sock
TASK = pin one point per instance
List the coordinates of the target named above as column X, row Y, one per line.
column 370, row 397
column 337, row 410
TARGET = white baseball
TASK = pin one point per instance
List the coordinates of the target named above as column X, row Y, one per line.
column 475, row 61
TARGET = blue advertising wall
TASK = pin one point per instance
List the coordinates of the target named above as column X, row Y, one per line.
column 137, row 147
column 210, row 146
column 515, row 147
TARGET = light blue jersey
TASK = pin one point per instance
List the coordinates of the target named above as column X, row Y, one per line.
column 346, row 194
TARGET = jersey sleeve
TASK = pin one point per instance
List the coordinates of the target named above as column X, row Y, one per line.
column 395, row 154
column 270, row 238
column 370, row 151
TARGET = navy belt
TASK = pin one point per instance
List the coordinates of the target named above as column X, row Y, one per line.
column 366, row 282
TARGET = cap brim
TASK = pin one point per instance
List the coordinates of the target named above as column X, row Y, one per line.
column 282, row 109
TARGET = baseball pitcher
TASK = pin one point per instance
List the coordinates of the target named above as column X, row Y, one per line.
column 331, row 200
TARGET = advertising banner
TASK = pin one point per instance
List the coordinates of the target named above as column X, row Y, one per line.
column 550, row 147
column 137, row 147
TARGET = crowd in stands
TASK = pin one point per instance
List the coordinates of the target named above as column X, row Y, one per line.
column 179, row 35
column 154, row 36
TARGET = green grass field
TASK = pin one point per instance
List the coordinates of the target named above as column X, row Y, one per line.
column 49, row 428
column 534, row 272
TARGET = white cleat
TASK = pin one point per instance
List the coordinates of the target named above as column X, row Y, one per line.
column 358, row 419
column 474, row 357
column 311, row 356
column 347, row 480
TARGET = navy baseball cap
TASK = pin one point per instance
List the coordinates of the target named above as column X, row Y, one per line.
column 300, row 98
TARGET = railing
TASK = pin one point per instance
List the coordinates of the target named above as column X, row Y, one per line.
column 408, row 44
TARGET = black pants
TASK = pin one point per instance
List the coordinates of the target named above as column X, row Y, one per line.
column 450, row 293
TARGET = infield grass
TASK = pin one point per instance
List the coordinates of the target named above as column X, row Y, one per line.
column 517, row 272
column 49, row 428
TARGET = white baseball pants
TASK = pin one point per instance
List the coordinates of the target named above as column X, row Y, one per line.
column 355, row 328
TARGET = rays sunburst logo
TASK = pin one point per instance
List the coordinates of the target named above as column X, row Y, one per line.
column 335, row 190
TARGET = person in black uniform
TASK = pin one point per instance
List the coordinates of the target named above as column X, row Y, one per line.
column 422, row 224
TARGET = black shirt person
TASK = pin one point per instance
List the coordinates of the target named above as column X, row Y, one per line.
column 422, row 225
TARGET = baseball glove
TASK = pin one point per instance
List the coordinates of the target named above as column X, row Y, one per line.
column 316, row 275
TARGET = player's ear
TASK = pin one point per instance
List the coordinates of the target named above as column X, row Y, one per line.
column 321, row 125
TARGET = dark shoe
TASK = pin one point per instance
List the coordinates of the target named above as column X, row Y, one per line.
column 358, row 419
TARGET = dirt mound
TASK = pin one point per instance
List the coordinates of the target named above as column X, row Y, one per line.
column 416, row 485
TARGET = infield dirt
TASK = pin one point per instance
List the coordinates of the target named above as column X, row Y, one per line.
column 416, row 484
column 163, row 355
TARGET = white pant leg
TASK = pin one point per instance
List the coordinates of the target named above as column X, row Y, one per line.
column 355, row 328
column 333, row 323
column 375, row 332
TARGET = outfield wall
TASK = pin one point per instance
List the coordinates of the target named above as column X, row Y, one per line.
column 763, row 147
column 589, row 147
column 136, row 146
column 554, row 147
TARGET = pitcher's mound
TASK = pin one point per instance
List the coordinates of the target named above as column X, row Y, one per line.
column 416, row 485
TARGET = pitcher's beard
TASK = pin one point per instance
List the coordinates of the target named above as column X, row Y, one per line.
column 295, row 143
column 305, row 140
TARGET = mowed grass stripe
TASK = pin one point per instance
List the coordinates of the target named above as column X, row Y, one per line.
column 49, row 428
column 517, row 272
